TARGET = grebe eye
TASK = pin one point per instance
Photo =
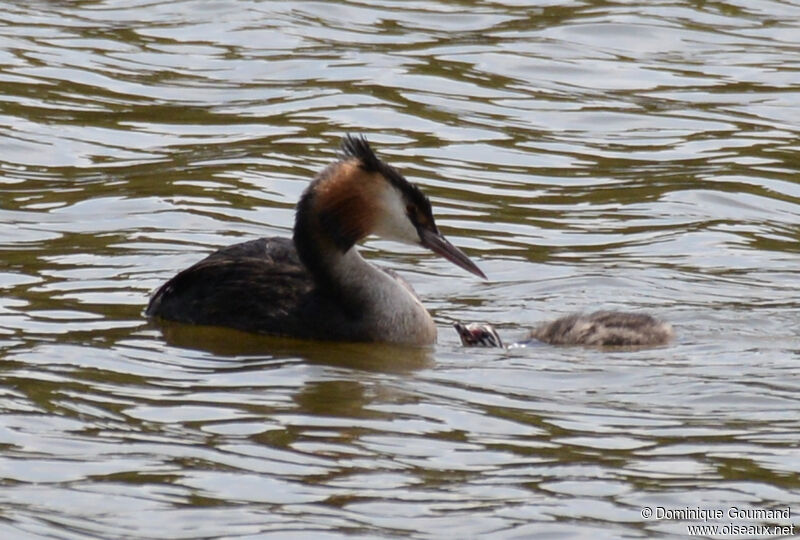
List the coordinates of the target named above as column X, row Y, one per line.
column 411, row 212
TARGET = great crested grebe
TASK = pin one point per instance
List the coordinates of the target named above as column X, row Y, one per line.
column 317, row 285
column 598, row 329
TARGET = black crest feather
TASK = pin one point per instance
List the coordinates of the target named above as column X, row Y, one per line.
column 356, row 146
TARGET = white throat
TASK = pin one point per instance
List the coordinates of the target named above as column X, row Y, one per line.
column 393, row 222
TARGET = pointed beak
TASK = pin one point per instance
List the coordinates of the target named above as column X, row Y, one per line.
column 439, row 245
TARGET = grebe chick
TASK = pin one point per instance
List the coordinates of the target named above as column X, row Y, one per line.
column 598, row 329
column 478, row 335
column 317, row 285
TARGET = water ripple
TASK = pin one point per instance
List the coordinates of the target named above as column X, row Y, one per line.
column 587, row 156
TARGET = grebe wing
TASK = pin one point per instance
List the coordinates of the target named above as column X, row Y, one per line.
column 254, row 286
column 269, row 250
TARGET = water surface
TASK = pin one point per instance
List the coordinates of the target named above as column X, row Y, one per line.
column 586, row 155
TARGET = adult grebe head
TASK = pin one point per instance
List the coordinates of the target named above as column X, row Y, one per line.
column 360, row 195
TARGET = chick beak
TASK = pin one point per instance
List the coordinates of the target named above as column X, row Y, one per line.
column 437, row 243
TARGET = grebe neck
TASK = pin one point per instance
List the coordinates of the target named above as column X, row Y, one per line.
column 384, row 304
column 321, row 248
